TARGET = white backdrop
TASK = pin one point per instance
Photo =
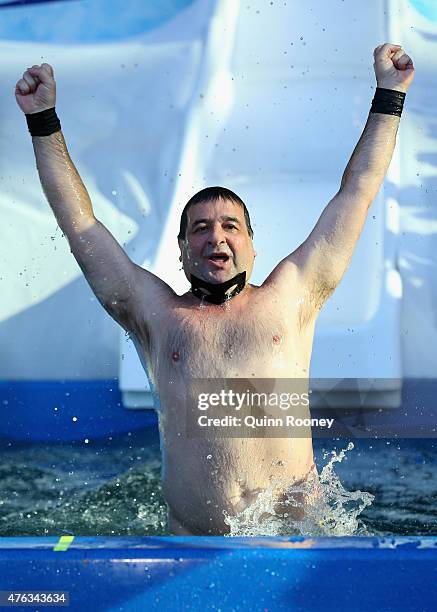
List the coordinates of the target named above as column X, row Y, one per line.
column 268, row 100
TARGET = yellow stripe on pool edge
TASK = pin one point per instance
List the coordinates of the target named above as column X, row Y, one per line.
column 64, row 543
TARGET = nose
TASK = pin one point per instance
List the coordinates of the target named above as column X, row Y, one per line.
column 216, row 235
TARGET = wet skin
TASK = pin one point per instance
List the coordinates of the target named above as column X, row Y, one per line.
column 260, row 333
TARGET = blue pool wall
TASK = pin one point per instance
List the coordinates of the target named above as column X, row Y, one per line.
column 58, row 411
column 211, row 573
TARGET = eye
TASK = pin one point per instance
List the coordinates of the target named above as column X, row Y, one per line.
column 230, row 226
column 200, row 229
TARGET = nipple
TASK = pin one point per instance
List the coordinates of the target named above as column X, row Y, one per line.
column 277, row 339
column 175, row 356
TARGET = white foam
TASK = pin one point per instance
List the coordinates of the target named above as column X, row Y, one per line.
column 327, row 508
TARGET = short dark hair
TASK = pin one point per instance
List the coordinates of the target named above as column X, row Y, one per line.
column 209, row 194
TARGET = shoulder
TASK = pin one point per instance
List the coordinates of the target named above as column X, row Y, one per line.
column 151, row 298
column 300, row 299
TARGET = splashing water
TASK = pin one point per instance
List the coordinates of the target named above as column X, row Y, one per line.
column 318, row 506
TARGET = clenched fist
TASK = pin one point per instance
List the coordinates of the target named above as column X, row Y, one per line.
column 393, row 67
column 36, row 91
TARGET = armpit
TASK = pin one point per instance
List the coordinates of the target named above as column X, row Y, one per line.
column 313, row 301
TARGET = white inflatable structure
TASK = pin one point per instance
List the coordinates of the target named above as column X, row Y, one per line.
column 275, row 117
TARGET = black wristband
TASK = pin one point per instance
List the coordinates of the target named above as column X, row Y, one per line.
column 44, row 123
column 388, row 101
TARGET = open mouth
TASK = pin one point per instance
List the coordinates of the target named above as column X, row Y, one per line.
column 219, row 258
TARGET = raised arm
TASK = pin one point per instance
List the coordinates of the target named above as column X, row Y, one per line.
column 124, row 289
column 322, row 259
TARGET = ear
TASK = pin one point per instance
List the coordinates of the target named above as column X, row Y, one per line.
column 180, row 244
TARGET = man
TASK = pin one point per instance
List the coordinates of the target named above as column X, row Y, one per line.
column 224, row 327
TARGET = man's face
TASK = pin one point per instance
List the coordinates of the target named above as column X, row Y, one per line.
column 217, row 246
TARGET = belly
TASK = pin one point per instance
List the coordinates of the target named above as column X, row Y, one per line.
column 202, row 479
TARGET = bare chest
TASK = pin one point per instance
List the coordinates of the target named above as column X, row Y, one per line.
column 227, row 338
column 261, row 340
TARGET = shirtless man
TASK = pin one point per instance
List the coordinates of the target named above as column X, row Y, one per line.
column 219, row 329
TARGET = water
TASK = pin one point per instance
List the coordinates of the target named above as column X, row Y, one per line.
column 106, row 487
column 112, row 487
column 320, row 506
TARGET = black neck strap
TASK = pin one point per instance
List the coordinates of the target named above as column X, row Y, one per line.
column 217, row 291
